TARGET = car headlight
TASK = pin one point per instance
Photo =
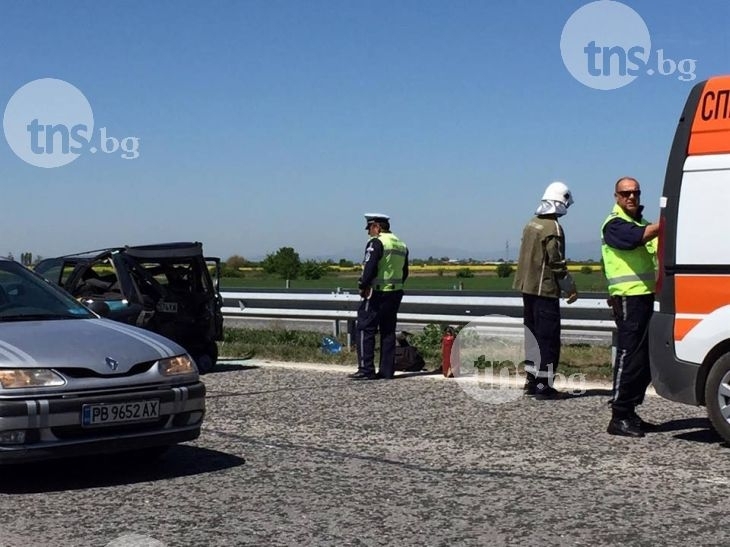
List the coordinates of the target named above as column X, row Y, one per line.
column 174, row 366
column 18, row 378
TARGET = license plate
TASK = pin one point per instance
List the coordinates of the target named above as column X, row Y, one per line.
column 116, row 413
column 167, row 307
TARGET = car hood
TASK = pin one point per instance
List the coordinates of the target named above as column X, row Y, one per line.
column 81, row 343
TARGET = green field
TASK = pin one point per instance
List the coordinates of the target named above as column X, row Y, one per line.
column 593, row 282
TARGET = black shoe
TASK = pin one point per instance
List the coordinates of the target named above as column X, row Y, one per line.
column 646, row 427
column 550, row 394
column 360, row 375
column 624, row 427
column 529, row 389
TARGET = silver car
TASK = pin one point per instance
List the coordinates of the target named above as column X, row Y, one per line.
column 72, row 383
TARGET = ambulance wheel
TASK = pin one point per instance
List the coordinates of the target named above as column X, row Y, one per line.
column 717, row 396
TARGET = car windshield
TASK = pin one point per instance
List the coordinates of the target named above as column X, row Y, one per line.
column 25, row 296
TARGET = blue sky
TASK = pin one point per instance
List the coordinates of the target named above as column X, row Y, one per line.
column 265, row 124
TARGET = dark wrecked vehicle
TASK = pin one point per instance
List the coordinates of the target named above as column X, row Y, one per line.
column 166, row 288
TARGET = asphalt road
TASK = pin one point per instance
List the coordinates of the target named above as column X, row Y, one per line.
column 295, row 456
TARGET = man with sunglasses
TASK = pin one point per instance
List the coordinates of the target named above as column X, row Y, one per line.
column 628, row 249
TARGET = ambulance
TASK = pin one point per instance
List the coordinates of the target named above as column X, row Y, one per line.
column 689, row 334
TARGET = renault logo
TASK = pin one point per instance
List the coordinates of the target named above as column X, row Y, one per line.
column 112, row 363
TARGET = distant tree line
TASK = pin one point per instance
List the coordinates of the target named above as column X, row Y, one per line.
column 286, row 264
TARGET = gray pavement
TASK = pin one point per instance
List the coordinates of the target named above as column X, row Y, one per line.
column 304, row 456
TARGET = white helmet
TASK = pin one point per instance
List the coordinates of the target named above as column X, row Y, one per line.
column 559, row 191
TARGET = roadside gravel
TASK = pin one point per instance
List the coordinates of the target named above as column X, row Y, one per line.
column 298, row 454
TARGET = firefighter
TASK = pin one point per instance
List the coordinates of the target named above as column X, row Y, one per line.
column 542, row 275
column 385, row 270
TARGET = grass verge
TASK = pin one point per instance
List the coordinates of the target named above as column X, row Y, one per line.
column 279, row 344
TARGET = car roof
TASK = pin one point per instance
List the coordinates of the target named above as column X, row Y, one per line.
column 92, row 254
column 157, row 250
column 166, row 250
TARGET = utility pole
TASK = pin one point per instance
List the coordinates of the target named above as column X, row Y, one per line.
column 506, row 251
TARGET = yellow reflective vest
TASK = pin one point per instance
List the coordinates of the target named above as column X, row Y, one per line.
column 390, row 267
column 629, row 272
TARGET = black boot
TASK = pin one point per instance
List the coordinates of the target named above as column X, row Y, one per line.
column 530, row 387
column 624, row 427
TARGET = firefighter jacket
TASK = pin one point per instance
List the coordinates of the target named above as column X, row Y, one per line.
column 541, row 268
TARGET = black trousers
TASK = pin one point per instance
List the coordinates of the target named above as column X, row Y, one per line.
column 631, row 372
column 541, row 317
column 379, row 313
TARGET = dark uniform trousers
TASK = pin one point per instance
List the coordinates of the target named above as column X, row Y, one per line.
column 541, row 316
column 631, row 372
column 378, row 313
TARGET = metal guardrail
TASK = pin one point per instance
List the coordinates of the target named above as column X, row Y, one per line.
column 586, row 314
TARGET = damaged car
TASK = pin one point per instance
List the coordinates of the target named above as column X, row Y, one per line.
column 168, row 288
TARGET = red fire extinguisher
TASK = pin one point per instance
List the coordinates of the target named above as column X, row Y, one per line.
column 447, row 343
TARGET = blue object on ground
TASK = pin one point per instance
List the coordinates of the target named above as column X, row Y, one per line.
column 330, row 345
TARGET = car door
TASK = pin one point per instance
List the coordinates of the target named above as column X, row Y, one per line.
column 214, row 269
column 56, row 270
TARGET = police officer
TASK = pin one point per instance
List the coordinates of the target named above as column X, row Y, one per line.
column 542, row 275
column 385, row 270
column 628, row 250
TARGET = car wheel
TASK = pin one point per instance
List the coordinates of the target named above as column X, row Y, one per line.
column 207, row 360
column 717, row 396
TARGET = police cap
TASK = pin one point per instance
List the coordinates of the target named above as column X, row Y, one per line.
column 371, row 218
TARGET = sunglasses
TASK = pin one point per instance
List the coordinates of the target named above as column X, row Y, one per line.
column 628, row 193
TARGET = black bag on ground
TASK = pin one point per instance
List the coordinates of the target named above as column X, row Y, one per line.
column 407, row 357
